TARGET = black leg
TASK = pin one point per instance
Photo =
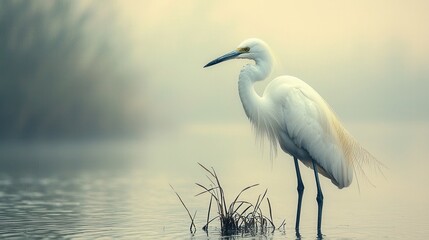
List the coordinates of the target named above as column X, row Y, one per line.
column 319, row 199
column 300, row 190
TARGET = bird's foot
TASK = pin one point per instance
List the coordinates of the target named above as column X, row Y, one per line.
column 319, row 235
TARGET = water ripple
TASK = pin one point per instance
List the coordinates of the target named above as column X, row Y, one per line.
column 106, row 206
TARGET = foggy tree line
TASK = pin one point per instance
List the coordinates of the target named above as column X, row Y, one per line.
column 65, row 72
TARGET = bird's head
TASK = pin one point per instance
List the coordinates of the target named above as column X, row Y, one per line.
column 253, row 48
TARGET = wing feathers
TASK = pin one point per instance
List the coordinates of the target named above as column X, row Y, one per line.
column 311, row 130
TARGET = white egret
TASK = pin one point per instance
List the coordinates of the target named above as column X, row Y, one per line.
column 293, row 114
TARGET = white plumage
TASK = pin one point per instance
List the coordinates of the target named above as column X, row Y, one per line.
column 307, row 129
column 292, row 114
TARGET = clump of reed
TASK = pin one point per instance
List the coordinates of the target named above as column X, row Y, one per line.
column 238, row 217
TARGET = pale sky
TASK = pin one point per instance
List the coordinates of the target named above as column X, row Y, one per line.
column 367, row 59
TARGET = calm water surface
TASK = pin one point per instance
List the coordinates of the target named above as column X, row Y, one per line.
column 110, row 190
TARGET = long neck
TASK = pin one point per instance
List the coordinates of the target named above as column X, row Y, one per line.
column 248, row 76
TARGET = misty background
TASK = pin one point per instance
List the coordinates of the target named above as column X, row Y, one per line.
column 108, row 69
column 65, row 72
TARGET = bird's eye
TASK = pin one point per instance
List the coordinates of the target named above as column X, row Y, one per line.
column 244, row 49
